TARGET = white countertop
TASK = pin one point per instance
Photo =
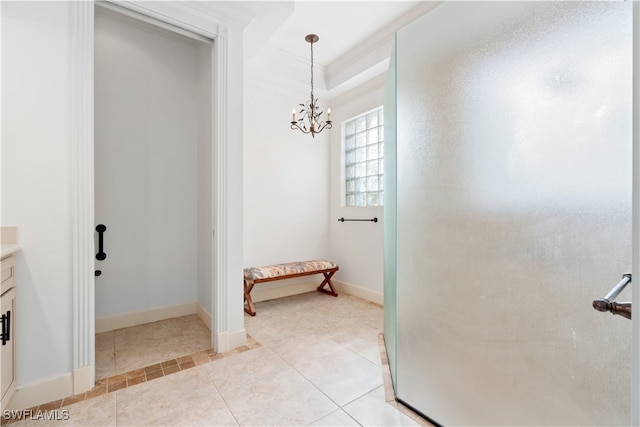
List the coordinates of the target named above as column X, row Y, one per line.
column 9, row 249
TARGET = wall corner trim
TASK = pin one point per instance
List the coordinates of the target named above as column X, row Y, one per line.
column 82, row 200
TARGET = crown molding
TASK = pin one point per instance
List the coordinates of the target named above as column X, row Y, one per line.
column 362, row 79
column 144, row 23
column 198, row 17
column 269, row 17
column 375, row 50
column 230, row 12
column 358, row 65
column 284, row 64
column 359, row 90
column 366, row 61
column 284, row 74
column 281, row 84
column 171, row 13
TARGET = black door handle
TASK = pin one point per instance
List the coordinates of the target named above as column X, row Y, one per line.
column 6, row 327
column 100, row 228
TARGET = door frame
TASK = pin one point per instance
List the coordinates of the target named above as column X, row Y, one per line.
column 635, row 329
column 226, row 308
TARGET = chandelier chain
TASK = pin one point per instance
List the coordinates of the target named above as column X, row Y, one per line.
column 312, row 101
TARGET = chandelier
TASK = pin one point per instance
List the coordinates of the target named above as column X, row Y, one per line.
column 310, row 121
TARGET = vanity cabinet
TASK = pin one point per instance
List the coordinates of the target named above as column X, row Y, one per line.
column 7, row 339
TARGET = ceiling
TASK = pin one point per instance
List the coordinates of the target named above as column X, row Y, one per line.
column 355, row 37
column 341, row 25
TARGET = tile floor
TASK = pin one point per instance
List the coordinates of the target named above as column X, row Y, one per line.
column 124, row 350
column 310, row 360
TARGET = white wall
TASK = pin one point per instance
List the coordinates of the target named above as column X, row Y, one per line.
column 357, row 247
column 146, row 164
column 285, row 180
column 36, row 180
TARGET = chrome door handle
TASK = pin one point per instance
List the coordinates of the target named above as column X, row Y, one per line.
column 620, row 308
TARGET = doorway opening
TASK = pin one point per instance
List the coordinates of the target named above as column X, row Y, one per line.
column 153, row 192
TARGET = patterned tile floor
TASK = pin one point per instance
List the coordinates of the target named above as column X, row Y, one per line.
column 309, row 360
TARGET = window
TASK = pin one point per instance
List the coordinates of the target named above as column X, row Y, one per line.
column 364, row 159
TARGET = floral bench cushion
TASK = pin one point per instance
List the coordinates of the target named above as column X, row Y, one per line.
column 290, row 268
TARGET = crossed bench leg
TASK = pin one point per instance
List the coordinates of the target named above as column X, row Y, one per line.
column 249, row 307
column 327, row 281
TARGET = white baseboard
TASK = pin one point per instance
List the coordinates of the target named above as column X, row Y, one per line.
column 82, row 379
column 364, row 293
column 230, row 340
column 30, row 395
column 264, row 292
column 126, row 320
column 204, row 315
column 269, row 291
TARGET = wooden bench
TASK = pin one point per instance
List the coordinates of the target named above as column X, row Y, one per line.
column 269, row 273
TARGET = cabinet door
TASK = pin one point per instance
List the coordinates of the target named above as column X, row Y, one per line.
column 7, row 355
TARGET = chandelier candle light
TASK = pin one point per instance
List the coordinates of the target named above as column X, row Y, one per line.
column 310, row 111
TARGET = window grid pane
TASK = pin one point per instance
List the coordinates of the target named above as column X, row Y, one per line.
column 364, row 161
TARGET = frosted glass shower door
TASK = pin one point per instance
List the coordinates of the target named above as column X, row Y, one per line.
column 514, row 174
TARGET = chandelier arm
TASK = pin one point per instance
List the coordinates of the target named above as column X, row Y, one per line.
column 295, row 125
column 324, row 125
